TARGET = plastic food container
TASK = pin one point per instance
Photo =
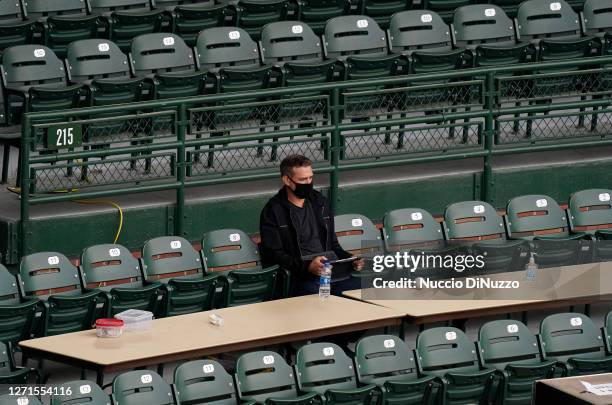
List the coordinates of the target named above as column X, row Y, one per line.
column 135, row 319
column 109, row 327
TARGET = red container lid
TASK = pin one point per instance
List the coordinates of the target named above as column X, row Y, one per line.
column 109, row 322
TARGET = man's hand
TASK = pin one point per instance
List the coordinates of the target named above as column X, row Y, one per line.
column 358, row 264
column 316, row 265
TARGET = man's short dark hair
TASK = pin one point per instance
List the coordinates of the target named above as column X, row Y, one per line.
column 291, row 162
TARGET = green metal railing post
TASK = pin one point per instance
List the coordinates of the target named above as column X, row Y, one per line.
column 179, row 220
column 488, row 186
column 335, row 148
column 24, row 164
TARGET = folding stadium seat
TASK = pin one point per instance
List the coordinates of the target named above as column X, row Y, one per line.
column 590, row 212
column 80, row 392
column 445, row 8
column 64, row 21
column 575, row 342
column 539, row 219
column 10, row 399
column 386, row 361
column 315, row 13
column 143, row 387
column 34, row 80
column 360, row 44
column 173, row 261
column 112, row 269
column 597, row 22
column 10, row 373
column 265, row 377
column 509, row 347
column 68, row 307
column 359, row 236
column 104, row 69
column 488, row 33
column 14, row 28
column 479, row 224
column 16, row 313
column 324, row 368
column 128, row 19
column 252, row 15
column 204, row 381
column 233, row 253
column 191, row 17
column 607, row 330
column 448, row 354
column 169, row 63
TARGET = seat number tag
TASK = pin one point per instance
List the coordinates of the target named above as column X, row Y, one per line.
column 604, row 197
column 103, row 47
column 114, row 252
column 39, row 53
column 362, row 23
column 267, row 360
column 234, row 35
column 234, row 237
column 356, row 222
column 175, row 244
column 489, row 12
column 426, row 18
column 416, row 216
column 23, row 401
column 328, row 351
column 85, row 389
column 53, row 260
column 451, row 335
column 576, row 321
column 541, row 203
column 512, row 328
column 297, row 29
column 555, row 6
column 478, row 209
column 168, row 41
column 146, row 378
column 208, row 368
column 389, row 343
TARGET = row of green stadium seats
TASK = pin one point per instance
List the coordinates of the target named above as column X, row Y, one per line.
column 57, row 23
column 52, row 296
column 445, row 368
column 532, row 223
column 352, row 47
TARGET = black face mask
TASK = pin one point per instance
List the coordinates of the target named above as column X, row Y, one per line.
column 302, row 191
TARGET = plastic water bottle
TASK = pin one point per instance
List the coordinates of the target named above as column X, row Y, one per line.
column 531, row 269
column 325, row 281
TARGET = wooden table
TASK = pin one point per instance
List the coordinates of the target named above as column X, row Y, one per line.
column 570, row 391
column 554, row 288
column 193, row 336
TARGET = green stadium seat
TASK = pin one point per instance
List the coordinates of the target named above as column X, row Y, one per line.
column 34, row 80
column 488, row 33
column 575, row 342
column 169, row 63
column 173, row 261
column 142, row 387
column 67, row 306
column 607, row 330
column 14, row 28
column 128, row 19
column 12, row 374
column 64, row 21
column 386, row 361
column 16, row 313
column 448, row 354
column 323, row 368
column 554, row 28
column 597, row 22
column 105, row 70
column 252, row 15
column 113, row 270
column 478, row 223
column 590, row 212
column 265, row 377
column 232, row 253
column 9, row 399
column 204, row 382
column 315, row 13
column 358, row 235
column 189, row 18
column 539, row 219
column 509, row 347
column 80, row 392
column 445, row 8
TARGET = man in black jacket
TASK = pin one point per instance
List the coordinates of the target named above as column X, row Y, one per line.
column 297, row 232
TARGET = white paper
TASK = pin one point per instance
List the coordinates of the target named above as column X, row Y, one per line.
column 598, row 389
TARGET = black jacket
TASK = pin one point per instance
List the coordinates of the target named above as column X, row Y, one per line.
column 279, row 241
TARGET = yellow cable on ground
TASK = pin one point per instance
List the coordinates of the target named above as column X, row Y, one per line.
column 105, row 202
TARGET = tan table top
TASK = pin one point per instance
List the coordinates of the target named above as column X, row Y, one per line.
column 572, row 387
column 192, row 335
column 553, row 288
